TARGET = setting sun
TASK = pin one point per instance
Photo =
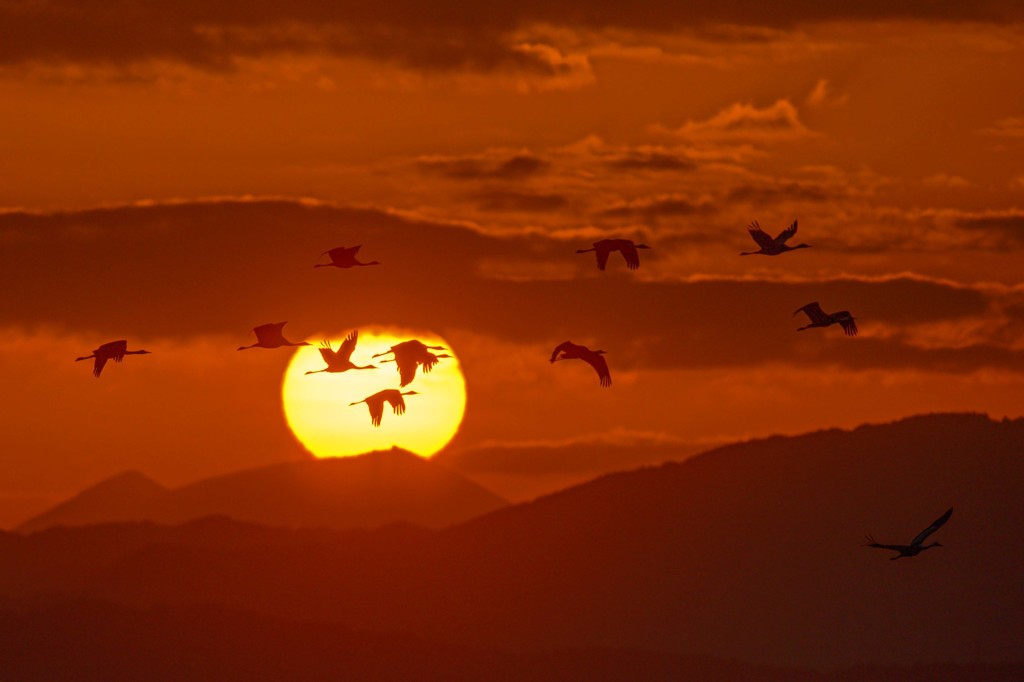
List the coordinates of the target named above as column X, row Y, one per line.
column 318, row 410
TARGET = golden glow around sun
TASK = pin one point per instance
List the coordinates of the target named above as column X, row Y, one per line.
column 317, row 405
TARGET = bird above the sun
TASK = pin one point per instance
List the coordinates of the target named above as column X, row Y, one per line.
column 567, row 350
column 344, row 257
column 114, row 350
column 604, row 248
column 410, row 355
column 819, row 318
column 916, row 545
column 772, row 246
column 271, row 336
column 340, row 360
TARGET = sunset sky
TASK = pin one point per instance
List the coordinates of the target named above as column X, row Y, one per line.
column 171, row 171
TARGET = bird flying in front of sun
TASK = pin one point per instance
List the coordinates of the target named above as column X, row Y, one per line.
column 317, row 406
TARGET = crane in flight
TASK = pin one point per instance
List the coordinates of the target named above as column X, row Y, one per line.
column 343, row 257
column 376, row 403
column 915, row 547
column 568, row 350
column 115, row 350
column 340, row 360
column 603, row 248
column 271, row 336
column 410, row 355
column 819, row 318
column 772, row 246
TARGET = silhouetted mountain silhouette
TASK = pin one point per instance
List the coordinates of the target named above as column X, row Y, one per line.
column 604, row 247
column 83, row 640
column 752, row 552
column 351, row 492
column 114, row 350
column 772, row 246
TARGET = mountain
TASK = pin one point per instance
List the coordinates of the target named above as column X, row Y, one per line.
column 351, row 492
column 753, row 552
column 102, row 503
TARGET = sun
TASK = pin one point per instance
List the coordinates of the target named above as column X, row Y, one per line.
column 317, row 408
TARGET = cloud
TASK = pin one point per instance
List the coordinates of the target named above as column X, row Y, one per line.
column 650, row 210
column 822, row 95
column 947, row 181
column 512, row 201
column 1008, row 224
column 646, row 160
column 516, row 167
column 740, row 121
column 1011, row 127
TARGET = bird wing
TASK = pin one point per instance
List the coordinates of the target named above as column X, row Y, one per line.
column 896, row 548
column 845, row 319
column 602, row 255
column 269, row 334
column 936, row 524
column 348, row 345
column 628, row 250
column 326, row 352
column 397, row 402
column 762, row 238
column 564, row 347
column 600, row 366
column 428, row 361
column 97, row 365
column 376, row 409
column 406, row 369
column 786, row 234
column 813, row 311
column 337, row 254
column 114, row 350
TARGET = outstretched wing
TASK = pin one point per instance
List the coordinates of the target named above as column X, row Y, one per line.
column 786, row 234
column 602, row 252
column 376, row 410
column 397, row 402
column 348, row 345
column 628, row 250
column 114, row 350
column 762, row 238
column 813, row 311
column 325, row 351
column 845, row 319
column 428, row 361
column 871, row 543
column 601, row 367
column 564, row 347
column 406, row 369
column 270, row 334
column 97, row 365
column 936, row 524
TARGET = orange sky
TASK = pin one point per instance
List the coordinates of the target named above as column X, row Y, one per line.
column 169, row 173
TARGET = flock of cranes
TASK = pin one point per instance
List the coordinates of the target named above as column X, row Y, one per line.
column 412, row 355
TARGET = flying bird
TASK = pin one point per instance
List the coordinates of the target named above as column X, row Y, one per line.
column 343, row 257
column 409, row 355
column 915, row 547
column 339, row 360
column 819, row 318
column 626, row 247
column 115, row 350
column 770, row 246
column 376, row 403
column 270, row 336
column 571, row 351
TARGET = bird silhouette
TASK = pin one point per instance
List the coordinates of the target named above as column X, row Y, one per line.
column 819, row 318
column 339, row 360
column 343, row 257
column 115, row 350
column 270, row 336
column 571, row 351
column 915, row 547
column 770, row 246
column 409, row 355
column 626, row 247
column 376, row 403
